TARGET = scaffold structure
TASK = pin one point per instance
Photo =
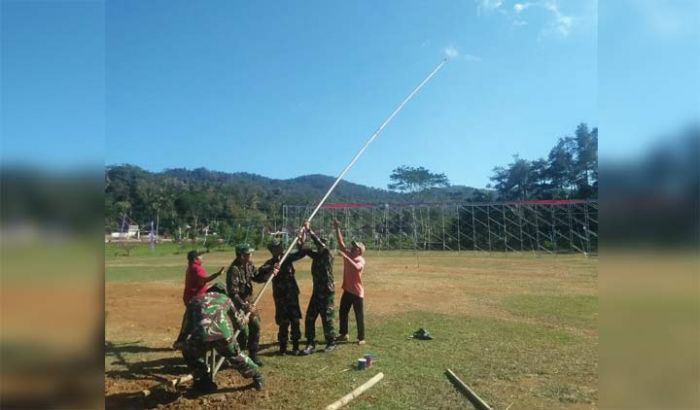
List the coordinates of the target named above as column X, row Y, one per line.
column 551, row 226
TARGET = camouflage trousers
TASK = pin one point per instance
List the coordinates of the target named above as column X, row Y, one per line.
column 320, row 305
column 195, row 352
column 250, row 335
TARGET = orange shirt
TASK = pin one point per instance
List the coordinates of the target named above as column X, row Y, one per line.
column 352, row 276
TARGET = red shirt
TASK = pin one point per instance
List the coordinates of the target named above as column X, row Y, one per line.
column 352, row 276
column 195, row 285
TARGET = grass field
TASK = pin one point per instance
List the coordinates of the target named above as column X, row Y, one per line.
column 520, row 329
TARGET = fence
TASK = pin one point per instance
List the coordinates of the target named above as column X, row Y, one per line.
column 552, row 226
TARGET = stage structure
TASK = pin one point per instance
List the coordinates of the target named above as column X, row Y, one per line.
column 551, row 226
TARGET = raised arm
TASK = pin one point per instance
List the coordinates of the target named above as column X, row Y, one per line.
column 339, row 236
column 214, row 275
column 313, row 236
column 357, row 265
column 300, row 252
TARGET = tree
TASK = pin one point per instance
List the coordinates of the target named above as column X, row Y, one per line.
column 561, row 169
column 516, row 181
column 586, row 164
column 410, row 179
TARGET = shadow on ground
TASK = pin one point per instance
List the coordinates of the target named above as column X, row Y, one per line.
column 153, row 369
column 165, row 396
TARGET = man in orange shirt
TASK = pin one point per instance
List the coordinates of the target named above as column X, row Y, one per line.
column 353, row 291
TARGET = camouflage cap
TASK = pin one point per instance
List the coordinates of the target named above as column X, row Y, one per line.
column 244, row 248
column 217, row 287
column 359, row 245
column 274, row 243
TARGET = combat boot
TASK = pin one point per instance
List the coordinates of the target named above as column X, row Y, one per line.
column 283, row 349
column 309, row 349
column 204, row 385
column 258, row 383
column 330, row 346
column 295, row 348
column 254, row 357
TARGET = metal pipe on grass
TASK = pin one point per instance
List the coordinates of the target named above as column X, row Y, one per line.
column 477, row 401
column 355, row 393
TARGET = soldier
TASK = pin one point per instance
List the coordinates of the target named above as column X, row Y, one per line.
column 285, row 291
column 322, row 296
column 239, row 284
column 210, row 322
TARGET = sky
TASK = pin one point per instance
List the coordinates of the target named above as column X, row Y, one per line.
column 284, row 88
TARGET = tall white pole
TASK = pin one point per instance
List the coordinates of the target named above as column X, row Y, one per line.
column 352, row 162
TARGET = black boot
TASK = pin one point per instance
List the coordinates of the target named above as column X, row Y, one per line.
column 254, row 357
column 204, row 385
column 283, row 348
column 295, row 348
column 258, row 382
column 330, row 346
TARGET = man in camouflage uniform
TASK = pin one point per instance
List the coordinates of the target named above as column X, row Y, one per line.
column 210, row 322
column 285, row 291
column 323, row 294
column 239, row 284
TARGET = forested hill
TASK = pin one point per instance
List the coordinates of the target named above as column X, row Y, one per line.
column 179, row 197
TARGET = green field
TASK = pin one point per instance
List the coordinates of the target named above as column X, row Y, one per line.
column 520, row 329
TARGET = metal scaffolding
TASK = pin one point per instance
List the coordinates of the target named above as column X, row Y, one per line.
column 552, row 226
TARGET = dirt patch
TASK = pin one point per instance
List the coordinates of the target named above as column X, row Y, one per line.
column 143, row 319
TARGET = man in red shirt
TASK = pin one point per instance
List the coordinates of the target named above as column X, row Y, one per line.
column 353, row 291
column 196, row 280
column 196, row 277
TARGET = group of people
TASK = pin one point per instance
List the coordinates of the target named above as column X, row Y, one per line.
column 214, row 314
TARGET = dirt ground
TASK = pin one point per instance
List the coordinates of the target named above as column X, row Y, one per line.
column 144, row 317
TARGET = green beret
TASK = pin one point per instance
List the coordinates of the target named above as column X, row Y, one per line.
column 244, row 248
column 274, row 243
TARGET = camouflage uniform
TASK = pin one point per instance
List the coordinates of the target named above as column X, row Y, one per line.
column 323, row 295
column 239, row 285
column 210, row 322
column 285, row 291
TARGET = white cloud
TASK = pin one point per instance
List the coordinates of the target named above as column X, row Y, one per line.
column 451, row 52
column 520, row 7
column 488, row 5
column 562, row 22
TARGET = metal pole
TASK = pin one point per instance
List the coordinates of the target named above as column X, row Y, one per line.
column 473, row 229
column 347, row 168
column 444, row 245
column 459, row 232
column 505, row 229
column 488, row 223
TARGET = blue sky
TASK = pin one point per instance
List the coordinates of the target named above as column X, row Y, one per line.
column 286, row 88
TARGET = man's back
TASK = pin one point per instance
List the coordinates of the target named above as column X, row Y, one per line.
column 322, row 271
column 208, row 317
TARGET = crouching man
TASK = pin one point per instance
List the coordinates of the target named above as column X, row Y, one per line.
column 211, row 321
